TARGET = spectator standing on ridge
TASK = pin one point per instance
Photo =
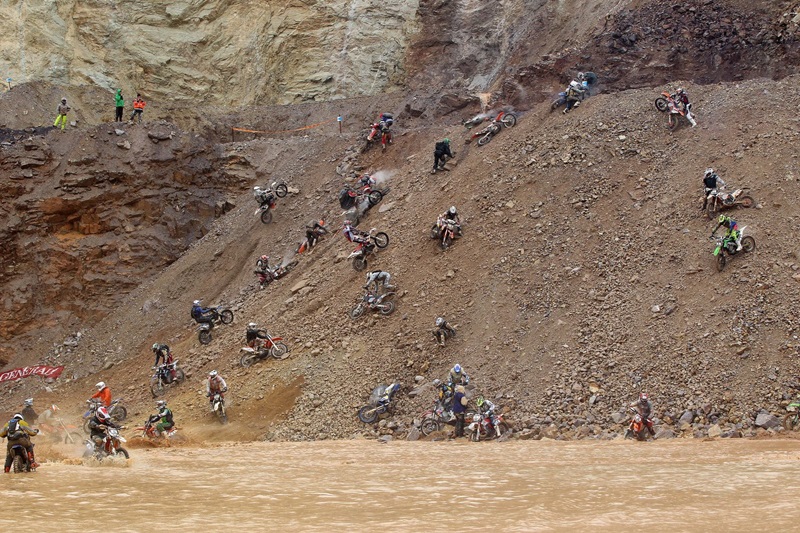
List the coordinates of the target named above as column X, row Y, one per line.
column 138, row 108
column 62, row 111
column 120, row 103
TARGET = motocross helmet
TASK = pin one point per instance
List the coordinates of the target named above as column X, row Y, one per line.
column 212, row 374
column 264, row 257
column 196, row 302
column 63, row 100
column 721, row 219
column 256, row 188
column 581, row 76
column 446, row 140
column 252, row 325
column 439, row 321
column 643, row 398
column 680, row 90
column 480, row 401
column 101, row 385
column 708, row 172
column 18, row 417
column 161, row 404
column 155, row 347
column 452, row 210
column 102, row 414
column 28, row 402
column 437, row 382
column 457, row 368
column 346, row 223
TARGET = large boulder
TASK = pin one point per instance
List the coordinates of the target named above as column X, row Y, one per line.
column 767, row 421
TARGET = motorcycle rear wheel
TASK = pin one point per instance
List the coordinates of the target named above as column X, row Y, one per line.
column 661, row 104
column 281, row 190
column 279, row 350
column 746, row 201
column 20, row 465
column 483, row 141
column 266, row 216
column 375, row 197
column 748, row 244
column 721, row 261
column 381, row 239
column 791, row 422
column 118, row 413
column 204, row 336
column 387, row 308
column 180, row 375
column 368, row 414
column 711, row 210
column 429, row 425
column 359, row 264
column 226, row 316
column 509, row 120
column 248, row 358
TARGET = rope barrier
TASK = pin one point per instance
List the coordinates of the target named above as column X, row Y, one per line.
column 310, row 126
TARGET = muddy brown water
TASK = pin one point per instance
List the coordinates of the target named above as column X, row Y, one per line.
column 422, row 486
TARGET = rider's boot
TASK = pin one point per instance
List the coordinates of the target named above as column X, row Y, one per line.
column 32, row 461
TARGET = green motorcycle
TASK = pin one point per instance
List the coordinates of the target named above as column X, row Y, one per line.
column 792, row 420
column 727, row 246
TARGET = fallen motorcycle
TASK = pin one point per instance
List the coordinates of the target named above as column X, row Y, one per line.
column 666, row 103
column 380, row 403
column 116, row 411
column 371, row 302
column 165, row 375
column 111, row 447
column 503, row 119
column 263, row 348
column 717, row 200
column 446, row 231
column 561, row 99
column 219, row 313
column 266, row 277
column 436, row 418
column 486, row 427
column 727, row 246
column 376, row 239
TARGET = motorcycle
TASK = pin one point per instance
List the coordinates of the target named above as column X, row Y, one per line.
column 58, row 432
column 166, row 374
column 111, row 447
column 386, row 136
column 371, row 302
column 359, row 256
column 20, row 462
column 380, row 403
column 436, row 418
column 263, row 348
column 561, row 99
column 218, row 406
column 149, row 431
column 726, row 245
column 718, row 200
column 218, row 314
column 485, row 427
column 308, row 243
column 266, row 277
column 267, row 204
column 116, row 411
column 667, row 103
column 503, row 119
column 637, row 428
column 446, row 231
column 791, row 421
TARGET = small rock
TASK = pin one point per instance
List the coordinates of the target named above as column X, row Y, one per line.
column 665, row 433
column 125, row 145
column 413, row 434
column 714, row 431
column 119, row 132
column 686, row 418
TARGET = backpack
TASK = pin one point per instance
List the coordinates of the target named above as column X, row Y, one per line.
column 14, row 431
column 195, row 314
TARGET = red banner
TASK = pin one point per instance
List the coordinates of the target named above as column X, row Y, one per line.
column 24, row 372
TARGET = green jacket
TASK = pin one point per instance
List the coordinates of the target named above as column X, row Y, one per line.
column 118, row 98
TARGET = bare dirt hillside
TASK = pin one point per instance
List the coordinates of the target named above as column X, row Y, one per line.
column 585, row 275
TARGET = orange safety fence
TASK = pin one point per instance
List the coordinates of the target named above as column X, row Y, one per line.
column 310, row 126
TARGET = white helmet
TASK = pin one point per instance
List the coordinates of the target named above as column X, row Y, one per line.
column 256, row 188
column 161, row 404
column 18, row 417
column 101, row 385
column 439, row 321
column 708, row 172
column 452, row 210
column 252, row 325
column 212, row 374
column 28, row 402
column 196, row 302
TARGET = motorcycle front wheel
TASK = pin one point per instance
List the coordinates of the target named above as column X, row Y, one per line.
column 381, row 239
column 204, row 336
column 446, row 242
column 359, row 264
column 429, row 425
column 748, row 244
column 279, row 350
column 509, row 120
column 502, row 429
column 746, row 201
column 721, row 261
column 180, row 375
column 791, row 422
column 357, row 311
column 483, row 141
column 226, row 317
column 661, row 104
column 435, row 232
column 156, row 387
column 266, row 216
column 368, row 414
column 121, row 451
column 281, row 190
column 375, row 197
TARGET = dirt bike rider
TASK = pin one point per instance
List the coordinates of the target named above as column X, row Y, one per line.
column 215, row 385
column 388, row 393
column 264, row 196
column 588, row 80
column 575, row 93
column 164, row 414
column 382, row 127
column 252, row 333
column 452, row 214
column 355, row 235
column 711, row 183
column 18, row 433
column 28, row 411
column 313, row 232
column 98, row 425
column 103, row 394
column 440, row 150
column 380, row 279
column 444, row 394
column 443, row 329
column 263, row 270
column 163, row 353
column 644, row 407
column 681, row 100
column 732, row 232
column 457, row 376
column 365, row 181
column 200, row 314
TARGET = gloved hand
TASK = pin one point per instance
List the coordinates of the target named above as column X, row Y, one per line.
column 37, row 431
column 102, row 427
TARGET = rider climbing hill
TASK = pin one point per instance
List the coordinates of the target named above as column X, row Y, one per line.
column 731, row 230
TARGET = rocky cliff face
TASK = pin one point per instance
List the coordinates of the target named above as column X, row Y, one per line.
column 214, row 51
